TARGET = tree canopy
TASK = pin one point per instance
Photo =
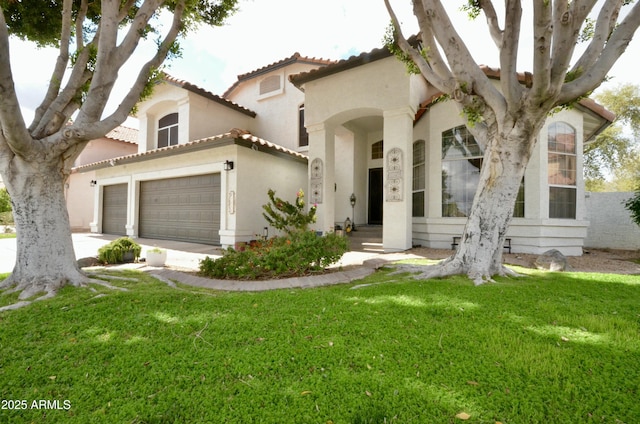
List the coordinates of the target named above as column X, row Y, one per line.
column 614, row 151
column 95, row 40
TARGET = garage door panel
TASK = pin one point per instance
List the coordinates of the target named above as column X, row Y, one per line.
column 114, row 209
column 186, row 208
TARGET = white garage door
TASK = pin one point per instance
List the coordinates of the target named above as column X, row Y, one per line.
column 185, row 209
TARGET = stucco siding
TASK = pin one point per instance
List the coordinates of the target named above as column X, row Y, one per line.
column 257, row 172
column 610, row 225
column 382, row 85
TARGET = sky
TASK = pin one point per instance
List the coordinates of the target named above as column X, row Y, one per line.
column 265, row 31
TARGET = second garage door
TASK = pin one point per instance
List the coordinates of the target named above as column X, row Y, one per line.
column 186, row 209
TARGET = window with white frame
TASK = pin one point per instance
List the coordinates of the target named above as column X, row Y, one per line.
column 419, row 179
column 168, row 130
column 561, row 138
column 461, row 165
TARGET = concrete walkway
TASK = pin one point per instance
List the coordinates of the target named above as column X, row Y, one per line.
column 184, row 258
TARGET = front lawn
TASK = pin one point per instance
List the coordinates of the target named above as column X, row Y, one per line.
column 547, row 348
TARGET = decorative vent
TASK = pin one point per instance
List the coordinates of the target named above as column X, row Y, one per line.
column 270, row 84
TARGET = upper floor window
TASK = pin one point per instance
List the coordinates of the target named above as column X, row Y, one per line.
column 303, row 135
column 419, row 178
column 461, row 165
column 168, row 130
column 377, row 150
column 562, row 168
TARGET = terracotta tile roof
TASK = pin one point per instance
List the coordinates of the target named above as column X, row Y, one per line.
column 203, row 143
column 122, row 133
column 380, row 53
column 208, row 95
column 352, row 62
column 295, row 58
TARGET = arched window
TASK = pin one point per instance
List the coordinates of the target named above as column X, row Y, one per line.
column 561, row 138
column 419, row 179
column 168, row 130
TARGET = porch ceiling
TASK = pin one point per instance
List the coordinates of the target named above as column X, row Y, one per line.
column 366, row 123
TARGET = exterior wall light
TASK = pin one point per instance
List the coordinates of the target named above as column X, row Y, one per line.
column 228, row 165
column 352, row 199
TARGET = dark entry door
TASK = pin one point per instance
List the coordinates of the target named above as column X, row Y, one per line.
column 375, row 196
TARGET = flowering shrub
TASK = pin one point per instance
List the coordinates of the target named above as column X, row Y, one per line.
column 286, row 216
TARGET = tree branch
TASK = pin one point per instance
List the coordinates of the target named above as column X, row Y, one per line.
column 464, row 68
column 82, row 14
column 12, row 124
column 511, row 87
column 130, row 100
column 542, row 35
column 614, row 48
column 424, row 66
column 59, row 68
column 53, row 117
column 605, row 24
column 492, row 22
column 567, row 20
column 132, row 38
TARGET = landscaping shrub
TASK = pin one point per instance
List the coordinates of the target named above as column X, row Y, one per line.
column 116, row 251
column 286, row 216
column 633, row 206
column 5, row 200
column 6, row 216
column 299, row 253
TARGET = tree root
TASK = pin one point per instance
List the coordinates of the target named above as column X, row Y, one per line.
column 29, row 288
column 450, row 267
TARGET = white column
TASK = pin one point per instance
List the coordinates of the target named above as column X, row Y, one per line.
column 398, row 172
column 321, row 189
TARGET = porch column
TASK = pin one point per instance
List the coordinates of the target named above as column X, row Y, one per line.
column 398, row 173
column 321, row 191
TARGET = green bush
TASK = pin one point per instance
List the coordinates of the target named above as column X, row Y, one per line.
column 633, row 206
column 5, row 200
column 286, row 216
column 297, row 254
column 116, row 251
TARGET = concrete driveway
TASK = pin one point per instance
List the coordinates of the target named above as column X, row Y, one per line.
column 179, row 254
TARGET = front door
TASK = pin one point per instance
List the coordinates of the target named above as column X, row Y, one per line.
column 375, row 196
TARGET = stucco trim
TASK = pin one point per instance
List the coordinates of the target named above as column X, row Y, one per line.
column 235, row 136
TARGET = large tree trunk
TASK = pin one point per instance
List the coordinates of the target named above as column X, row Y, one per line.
column 45, row 259
column 479, row 253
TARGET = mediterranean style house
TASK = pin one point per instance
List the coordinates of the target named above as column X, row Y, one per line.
column 362, row 136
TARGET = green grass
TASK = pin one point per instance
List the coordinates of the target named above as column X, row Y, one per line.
column 7, row 235
column 547, row 348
